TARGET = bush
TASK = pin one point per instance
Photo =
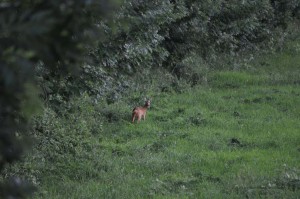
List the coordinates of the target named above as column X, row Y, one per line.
column 62, row 139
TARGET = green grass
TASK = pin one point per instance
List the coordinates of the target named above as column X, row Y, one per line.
column 239, row 137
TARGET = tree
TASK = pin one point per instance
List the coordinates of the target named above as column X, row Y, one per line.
column 52, row 34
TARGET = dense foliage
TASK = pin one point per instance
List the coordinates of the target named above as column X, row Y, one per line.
column 55, row 50
column 176, row 36
column 54, row 34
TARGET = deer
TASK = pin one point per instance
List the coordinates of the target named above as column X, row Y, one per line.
column 140, row 111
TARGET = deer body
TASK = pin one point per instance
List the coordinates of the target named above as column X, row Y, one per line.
column 140, row 112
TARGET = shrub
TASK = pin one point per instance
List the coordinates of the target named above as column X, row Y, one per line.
column 62, row 138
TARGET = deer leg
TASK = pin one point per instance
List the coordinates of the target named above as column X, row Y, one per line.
column 139, row 118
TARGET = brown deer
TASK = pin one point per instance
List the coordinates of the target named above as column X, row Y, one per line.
column 140, row 112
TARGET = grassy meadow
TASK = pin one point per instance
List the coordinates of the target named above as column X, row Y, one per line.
column 236, row 137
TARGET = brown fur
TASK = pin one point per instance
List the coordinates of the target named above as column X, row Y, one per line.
column 140, row 112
